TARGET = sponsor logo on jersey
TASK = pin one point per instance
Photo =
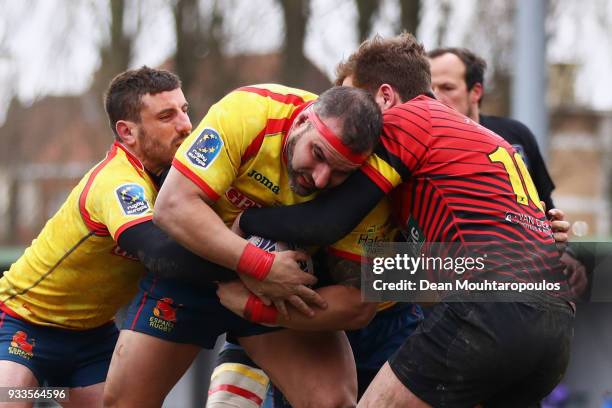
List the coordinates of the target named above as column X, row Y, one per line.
column 205, row 149
column 365, row 239
column 264, row 181
column 240, row 200
column 413, row 234
column 132, row 199
column 20, row 345
column 528, row 222
column 164, row 315
column 375, row 233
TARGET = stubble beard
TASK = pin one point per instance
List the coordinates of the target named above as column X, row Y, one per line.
column 155, row 155
column 291, row 172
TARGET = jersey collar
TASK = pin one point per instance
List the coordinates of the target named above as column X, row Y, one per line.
column 134, row 161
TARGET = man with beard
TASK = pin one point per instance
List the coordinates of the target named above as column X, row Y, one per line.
column 453, row 186
column 261, row 145
column 58, row 300
column 387, row 331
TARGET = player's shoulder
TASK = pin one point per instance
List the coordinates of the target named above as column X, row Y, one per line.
column 250, row 107
column 272, row 93
column 423, row 107
column 119, row 169
column 414, row 115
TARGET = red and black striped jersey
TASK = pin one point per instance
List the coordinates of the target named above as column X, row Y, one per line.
column 460, row 182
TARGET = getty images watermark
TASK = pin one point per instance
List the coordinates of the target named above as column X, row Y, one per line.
column 428, row 272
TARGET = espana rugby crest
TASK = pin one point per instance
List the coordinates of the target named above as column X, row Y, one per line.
column 205, row 149
column 132, row 199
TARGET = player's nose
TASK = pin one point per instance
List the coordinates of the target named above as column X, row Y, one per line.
column 183, row 124
column 321, row 175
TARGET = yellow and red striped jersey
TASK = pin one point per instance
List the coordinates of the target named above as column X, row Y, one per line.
column 74, row 275
column 235, row 156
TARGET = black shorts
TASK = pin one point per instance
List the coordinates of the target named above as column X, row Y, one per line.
column 498, row 354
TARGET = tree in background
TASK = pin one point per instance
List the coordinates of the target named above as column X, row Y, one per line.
column 190, row 40
column 410, row 15
column 199, row 39
column 116, row 53
column 56, row 138
column 295, row 16
column 494, row 20
column 367, row 10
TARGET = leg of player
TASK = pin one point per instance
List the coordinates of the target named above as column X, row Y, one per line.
column 89, row 396
column 387, row 391
column 13, row 374
column 144, row 369
column 312, row 369
column 236, row 381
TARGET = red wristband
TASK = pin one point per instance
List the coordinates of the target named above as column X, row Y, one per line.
column 257, row 312
column 255, row 262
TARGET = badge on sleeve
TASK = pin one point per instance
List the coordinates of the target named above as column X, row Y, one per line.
column 205, row 149
column 132, row 199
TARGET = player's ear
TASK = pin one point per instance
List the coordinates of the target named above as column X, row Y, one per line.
column 386, row 97
column 476, row 92
column 126, row 131
column 301, row 118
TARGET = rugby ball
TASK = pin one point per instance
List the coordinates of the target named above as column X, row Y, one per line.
column 278, row 246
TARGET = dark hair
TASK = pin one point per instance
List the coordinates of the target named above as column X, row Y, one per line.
column 123, row 98
column 475, row 66
column 361, row 117
column 398, row 61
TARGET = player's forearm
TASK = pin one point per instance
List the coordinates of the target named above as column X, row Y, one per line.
column 345, row 311
column 164, row 257
column 322, row 221
column 193, row 223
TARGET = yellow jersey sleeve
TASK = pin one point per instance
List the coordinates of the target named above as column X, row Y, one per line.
column 74, row 275
column 212, row 155
column 117, row 198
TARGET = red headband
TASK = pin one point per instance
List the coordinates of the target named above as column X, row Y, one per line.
column 334, row 140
